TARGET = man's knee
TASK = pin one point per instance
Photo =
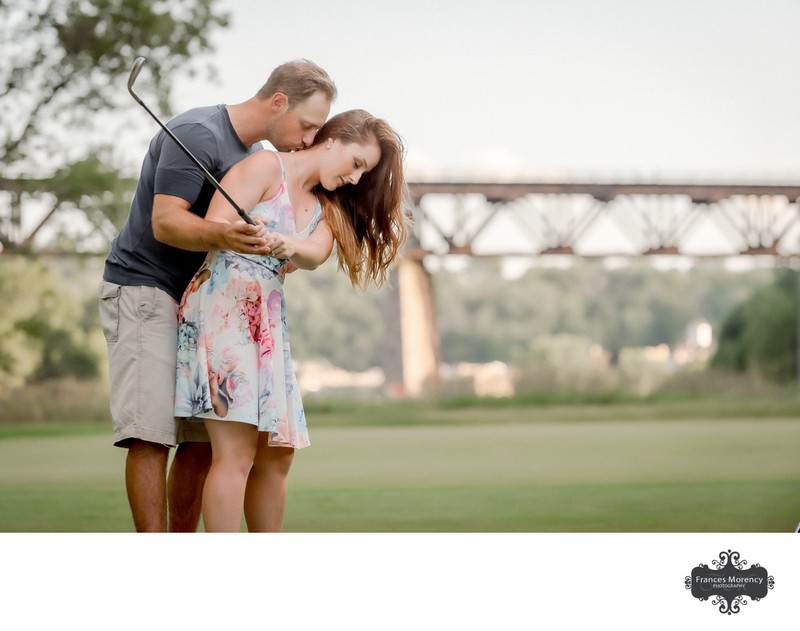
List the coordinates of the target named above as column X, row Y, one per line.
column 143, row 450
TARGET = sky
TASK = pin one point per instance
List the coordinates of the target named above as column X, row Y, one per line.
column 634, row 90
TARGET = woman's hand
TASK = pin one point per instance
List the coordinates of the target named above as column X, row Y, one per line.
column 280, row 245
column 307, row 253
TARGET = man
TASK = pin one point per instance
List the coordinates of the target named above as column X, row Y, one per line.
column 158, row 250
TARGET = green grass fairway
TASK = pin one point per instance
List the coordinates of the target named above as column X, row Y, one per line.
column 703, row 475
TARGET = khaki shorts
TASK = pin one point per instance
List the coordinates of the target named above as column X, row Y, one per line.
column 140, row 325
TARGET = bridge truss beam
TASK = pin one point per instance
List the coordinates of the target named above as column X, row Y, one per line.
column 532, row 219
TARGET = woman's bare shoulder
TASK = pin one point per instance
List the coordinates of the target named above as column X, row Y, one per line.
column 265, row 160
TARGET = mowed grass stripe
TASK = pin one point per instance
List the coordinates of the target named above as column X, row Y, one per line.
column 741, row 475
column 575, row 453
column 737, row 506
column 410, row 457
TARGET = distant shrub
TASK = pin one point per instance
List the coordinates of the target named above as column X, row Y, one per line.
column 56, row 400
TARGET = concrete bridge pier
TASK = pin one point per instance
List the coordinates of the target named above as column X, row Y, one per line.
column 411, row 352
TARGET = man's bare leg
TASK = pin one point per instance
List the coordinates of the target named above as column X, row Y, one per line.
column 146, row 483
column 187, row 475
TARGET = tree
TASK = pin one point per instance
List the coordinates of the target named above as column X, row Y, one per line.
column 761, row 334
column 46, row 330
column 330, row 319
column 485, row 317
column 64, row 62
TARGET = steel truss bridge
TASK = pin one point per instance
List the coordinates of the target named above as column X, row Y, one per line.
column 605, row 219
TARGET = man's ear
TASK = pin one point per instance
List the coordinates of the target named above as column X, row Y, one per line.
column 278, row 102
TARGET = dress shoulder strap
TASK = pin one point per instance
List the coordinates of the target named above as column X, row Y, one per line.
column 316, row 218
column 283, row 169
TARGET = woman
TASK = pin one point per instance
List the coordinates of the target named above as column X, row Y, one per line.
column 234, row 364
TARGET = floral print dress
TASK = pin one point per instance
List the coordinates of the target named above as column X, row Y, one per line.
column 234, row 360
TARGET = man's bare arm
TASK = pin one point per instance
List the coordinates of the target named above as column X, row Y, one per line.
column 175, row 225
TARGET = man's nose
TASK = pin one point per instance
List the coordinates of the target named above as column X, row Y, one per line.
column 308, row 138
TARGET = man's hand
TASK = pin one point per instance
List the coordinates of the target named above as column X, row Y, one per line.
column 243, row 238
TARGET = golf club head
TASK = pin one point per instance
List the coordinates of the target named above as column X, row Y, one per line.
column 135, row 70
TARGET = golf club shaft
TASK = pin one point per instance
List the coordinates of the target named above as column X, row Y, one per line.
column 137, row 66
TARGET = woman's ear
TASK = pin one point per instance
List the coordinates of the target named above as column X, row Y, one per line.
column 329, row 143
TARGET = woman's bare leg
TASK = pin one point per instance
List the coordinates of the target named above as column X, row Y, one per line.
column 233, row 448
column 267, row 487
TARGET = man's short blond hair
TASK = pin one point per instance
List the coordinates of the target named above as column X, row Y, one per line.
column 298, row 80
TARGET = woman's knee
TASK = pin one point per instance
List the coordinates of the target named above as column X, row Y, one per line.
column 276, row 460
column 233, row 445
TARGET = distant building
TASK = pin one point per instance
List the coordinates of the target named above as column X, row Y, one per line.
column 698, row 345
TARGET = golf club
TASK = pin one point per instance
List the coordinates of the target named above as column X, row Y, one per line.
column 137, row 67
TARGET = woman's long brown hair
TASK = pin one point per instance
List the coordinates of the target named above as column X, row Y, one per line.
column 367, row 219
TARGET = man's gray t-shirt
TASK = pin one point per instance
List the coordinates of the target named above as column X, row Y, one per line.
column 136, row 257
